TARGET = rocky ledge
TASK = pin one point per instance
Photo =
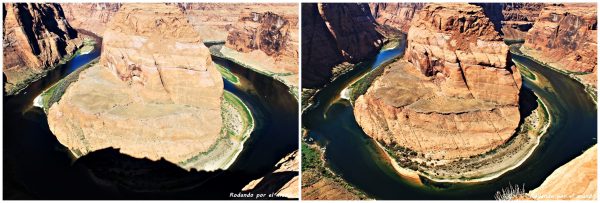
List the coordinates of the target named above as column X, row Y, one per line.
column 36, row 38
column 155, row 93
column 334, row 33
column 455, row 93
column 564, row 37
column 576, row 180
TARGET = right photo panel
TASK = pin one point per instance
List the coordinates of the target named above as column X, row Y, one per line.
column 445, row 101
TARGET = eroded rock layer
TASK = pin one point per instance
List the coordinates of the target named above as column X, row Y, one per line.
column 332, row 34
column 92, row 17
column 266, row 35
column 454, row 95
column 564, row 37
column 395, row 15
column 36, row 37
column 576, row 180
column 512, row 20
column 155, row 93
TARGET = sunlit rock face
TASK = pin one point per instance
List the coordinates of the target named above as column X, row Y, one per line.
column 454, row 94
column 36, row 37
column 564, row 37
column 155, row 92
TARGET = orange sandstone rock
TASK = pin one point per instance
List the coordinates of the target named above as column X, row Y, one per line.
column 155, row 92
column 455, row 94
column 564, row 37
column 36, row 37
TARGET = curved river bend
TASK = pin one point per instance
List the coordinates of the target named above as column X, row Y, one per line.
column 37, row 166
column 354, row 156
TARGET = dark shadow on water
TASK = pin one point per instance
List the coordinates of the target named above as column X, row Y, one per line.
column 143, row 178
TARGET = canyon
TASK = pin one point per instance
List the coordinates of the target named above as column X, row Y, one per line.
column 154, row 71
column 564, row 37
column 36, row 39
column 332, row 34
column 454, row 95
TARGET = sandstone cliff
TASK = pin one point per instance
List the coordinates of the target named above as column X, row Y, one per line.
column 155, row 93
column 267, row 37
column 395, row 15
column 215, row 20
column 332, row 34
column 576, row 180
column 286, row 170
column 454, row 95
column 36, row 37
column 92, row 17
column 564, row 37
column 512, row 20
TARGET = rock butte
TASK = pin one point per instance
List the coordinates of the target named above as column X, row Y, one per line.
column 332, row 34
column 155, row 92
column 267, row 39
column 576, row 180
column 564, row 37
column 36, row 37
column 454, row 94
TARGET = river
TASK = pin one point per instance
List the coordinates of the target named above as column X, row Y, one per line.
column 356, row 158
column 37, row 166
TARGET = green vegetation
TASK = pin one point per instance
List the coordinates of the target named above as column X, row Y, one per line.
column 88, row 46
column 315, row 169
column 228, row 75
column 514, row 41
column 525, row 71
column 238, row 123
column 310, row 158
column 360, row 86
column 245, row 120
column 391, row 44
column 55, row 92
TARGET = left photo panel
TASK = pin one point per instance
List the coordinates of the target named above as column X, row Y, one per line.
column 150, row 101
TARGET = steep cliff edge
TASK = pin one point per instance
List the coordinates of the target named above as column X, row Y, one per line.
column 286, row 172
column 266, row 42
column 512, row 20
column 155, row 92
column 455, row 93
column 564, row 37
column 36, row 38
column 332, row 34
column 576, row 180
column 92, row 17
column 395, row 15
